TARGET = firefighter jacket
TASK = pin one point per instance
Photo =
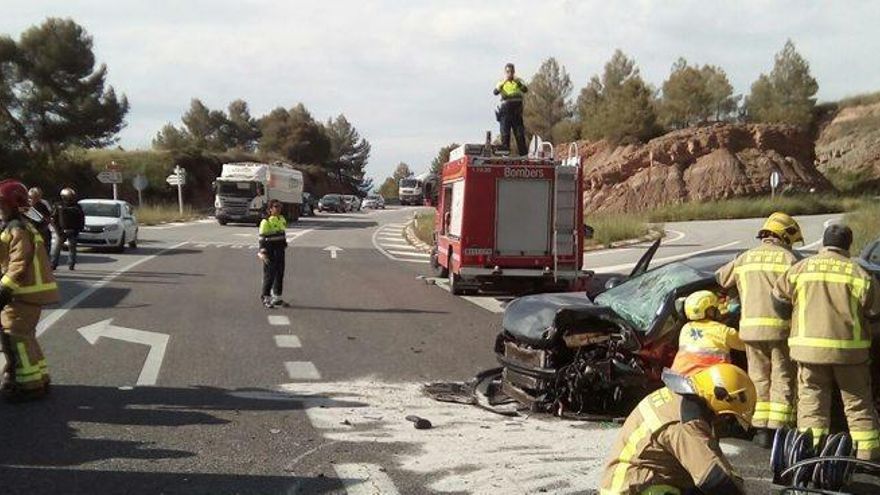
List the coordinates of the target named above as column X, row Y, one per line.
column 69, row 217
column 754, row 273
column 513, row 90
column 272, row 235
column 667, row 443
column 24, row 264
column 832, row 298
column 704, row 343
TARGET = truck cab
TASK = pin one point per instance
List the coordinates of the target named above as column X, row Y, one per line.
column 243, row 190
column 509, row 224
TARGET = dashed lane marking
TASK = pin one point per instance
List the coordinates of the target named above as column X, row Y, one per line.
column 389, row 240
column 279, row 320
column 302, row 370
column 287, row 342
column 365, row 479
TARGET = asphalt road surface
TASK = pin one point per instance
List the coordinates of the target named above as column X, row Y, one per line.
column 170, row 377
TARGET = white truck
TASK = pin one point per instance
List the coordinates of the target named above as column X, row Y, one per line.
column 411, row 190
column 243, row 190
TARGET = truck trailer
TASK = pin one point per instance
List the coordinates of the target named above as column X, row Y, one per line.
column 243, row 190
column 510, row 224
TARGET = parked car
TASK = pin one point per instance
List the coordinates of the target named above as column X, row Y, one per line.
column 374, row 201
column 353, row 202
column 309, row 205
column 109, row 223
column 870, row 257
column 334, row 203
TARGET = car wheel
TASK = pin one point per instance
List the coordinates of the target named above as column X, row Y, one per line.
column 134, row 242
column 222, row 221
column 120, row 248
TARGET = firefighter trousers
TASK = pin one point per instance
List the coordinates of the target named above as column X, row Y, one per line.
column 25, row 360
column 771, row 369
column 511, row 119
column 273, row 272
column 816, row 384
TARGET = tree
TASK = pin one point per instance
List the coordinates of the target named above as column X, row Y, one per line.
column 295, row 135
column 401, row 172
column 787, row 95
column 389, row 189
column 241, row 130
column 171, row 138
column 619, row 105
column 547, row 101
column 207, row 129
column 442, row 158
column 686, row 100
column 349, row 153
column 51, row 94
column 723, row 103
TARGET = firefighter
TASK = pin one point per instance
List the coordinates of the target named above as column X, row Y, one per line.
column 754, row 273
column 69, row 222
column 831, row 301
column 26, row 285
column 668, row 445
column 704, row 341
column 510, row 114
column 273, row 243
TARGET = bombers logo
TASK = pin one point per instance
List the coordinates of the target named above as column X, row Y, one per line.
column 523, row 173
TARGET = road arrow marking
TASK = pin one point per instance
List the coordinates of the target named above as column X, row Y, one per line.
column 157, row 342
column 333, row 250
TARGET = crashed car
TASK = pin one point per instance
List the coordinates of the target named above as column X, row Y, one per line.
column 570, row 354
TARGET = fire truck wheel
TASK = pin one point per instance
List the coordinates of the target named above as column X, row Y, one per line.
column 455, row 285
column 439, row 270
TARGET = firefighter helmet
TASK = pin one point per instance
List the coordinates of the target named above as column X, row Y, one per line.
column 726, row 388
column 13, row 194
column 698, row 304
column 782, row 226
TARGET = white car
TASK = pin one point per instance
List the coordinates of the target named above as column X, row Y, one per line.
column 109, row 223
column 374, row 201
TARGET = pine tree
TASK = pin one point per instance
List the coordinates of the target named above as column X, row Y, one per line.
column 787, row 95
column 547, row 101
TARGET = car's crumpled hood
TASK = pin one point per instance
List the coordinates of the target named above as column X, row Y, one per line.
column 536, row 319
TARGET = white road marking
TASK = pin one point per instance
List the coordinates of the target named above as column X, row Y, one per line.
column 279, row 320
column 246, row 235
column 302, row 370
column 624, row 266
column 201, row 246
column 333, row 250
column 677, row 236
column 397, row 244
column 237, row 246
column 287, row 341
column 365, row 479
column 157, row 342
column 416, row 254
column 488, row 303
column 53, row 316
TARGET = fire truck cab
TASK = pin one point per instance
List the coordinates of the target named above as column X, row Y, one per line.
column 509, row 224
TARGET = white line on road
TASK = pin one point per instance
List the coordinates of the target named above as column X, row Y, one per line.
column 410, row 253
column 676, row 236
column 287, row 341
column 53, row 316
column 157, row 342
column 333, row 250
column 624, row 266
column 279, row 320
column 302, row 370
column 488, row 303
column 365, row 479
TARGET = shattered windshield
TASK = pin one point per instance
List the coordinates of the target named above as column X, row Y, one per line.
column 639, row 298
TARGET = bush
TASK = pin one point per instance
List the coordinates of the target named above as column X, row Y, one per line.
column 865, row 224
column 424, row 227
column 610, row 227
column 753, row 208
column 154, row 214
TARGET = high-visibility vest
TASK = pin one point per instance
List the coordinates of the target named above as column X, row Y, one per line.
column 511, row 90
column 704, row 343
column 30, row 280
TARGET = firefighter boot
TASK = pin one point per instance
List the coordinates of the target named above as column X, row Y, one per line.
column 764, row 437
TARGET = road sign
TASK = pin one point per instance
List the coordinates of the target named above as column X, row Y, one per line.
column 110, row 177
column 157, row 342
column 178, row 178
column 175, row 180
column 140, row 182
column 775, row 180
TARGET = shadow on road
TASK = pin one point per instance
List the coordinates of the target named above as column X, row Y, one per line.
column 405, row 311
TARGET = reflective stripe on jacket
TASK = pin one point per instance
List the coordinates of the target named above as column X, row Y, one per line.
column 272, row 232
column 704, row 343
column 511, row 90
column 754, row 273
column 656, row 448
column 25, row 265
column 831, row 296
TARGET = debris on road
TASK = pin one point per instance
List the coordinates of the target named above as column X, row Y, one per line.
column 419, row 423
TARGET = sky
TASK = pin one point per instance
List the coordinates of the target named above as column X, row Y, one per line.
column 415, row 75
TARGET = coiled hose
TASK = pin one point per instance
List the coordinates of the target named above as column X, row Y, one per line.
column 802, row 469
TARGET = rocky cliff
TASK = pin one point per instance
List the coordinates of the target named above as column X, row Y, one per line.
column 848, row 146
column 697, row 164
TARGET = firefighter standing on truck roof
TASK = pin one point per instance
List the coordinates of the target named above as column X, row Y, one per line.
column 26, row 285
column 754, row 273
column 510, row 114
column 668, row 445
column 831, row 300
column 704, row 341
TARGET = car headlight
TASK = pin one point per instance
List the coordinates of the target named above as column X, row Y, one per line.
column 111, row 228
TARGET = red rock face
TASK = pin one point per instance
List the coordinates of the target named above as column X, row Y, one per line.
column 713, row 162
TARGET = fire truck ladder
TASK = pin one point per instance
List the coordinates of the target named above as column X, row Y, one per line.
column 565, row 223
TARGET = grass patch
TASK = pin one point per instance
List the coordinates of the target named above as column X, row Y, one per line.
column 865, row 224
column 424, row 227
column 610, row 227
column 754, row 208
column 154, row 214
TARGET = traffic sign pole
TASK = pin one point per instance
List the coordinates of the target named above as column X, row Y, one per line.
column 179, row 172
column 115, row 192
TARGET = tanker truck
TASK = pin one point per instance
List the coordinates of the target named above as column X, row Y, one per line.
column 243, row 190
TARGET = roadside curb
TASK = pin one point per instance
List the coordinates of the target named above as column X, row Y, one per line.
column 652, row 235
column 413, row 239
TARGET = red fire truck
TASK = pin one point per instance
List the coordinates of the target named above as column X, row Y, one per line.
column 512, row 224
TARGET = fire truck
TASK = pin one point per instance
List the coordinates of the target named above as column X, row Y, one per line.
column 509, row 224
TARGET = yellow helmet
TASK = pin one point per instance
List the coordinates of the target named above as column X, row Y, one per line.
column 726, row 388
column 698, row 303
column 783, row 226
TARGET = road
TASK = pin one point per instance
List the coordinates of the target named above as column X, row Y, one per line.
column 170, row 377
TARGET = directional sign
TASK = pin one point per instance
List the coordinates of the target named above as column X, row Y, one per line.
column 176, row 180
column 333, row 250
column 140, row 182
column 157, row 343
column 775, row 179
column 110, row 177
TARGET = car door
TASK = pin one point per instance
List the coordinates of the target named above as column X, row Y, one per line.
column 128, row 221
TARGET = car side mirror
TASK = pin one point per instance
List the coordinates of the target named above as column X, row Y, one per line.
column 613, row 282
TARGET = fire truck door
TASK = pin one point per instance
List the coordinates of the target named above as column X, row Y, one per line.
column 522, row 223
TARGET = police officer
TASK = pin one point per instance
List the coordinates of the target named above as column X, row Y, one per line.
column 831, row 300
column 25, row 286
column 69, row 222
column 273, row 243
column 510, row 114
column 754, row 273
column 668, row 445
